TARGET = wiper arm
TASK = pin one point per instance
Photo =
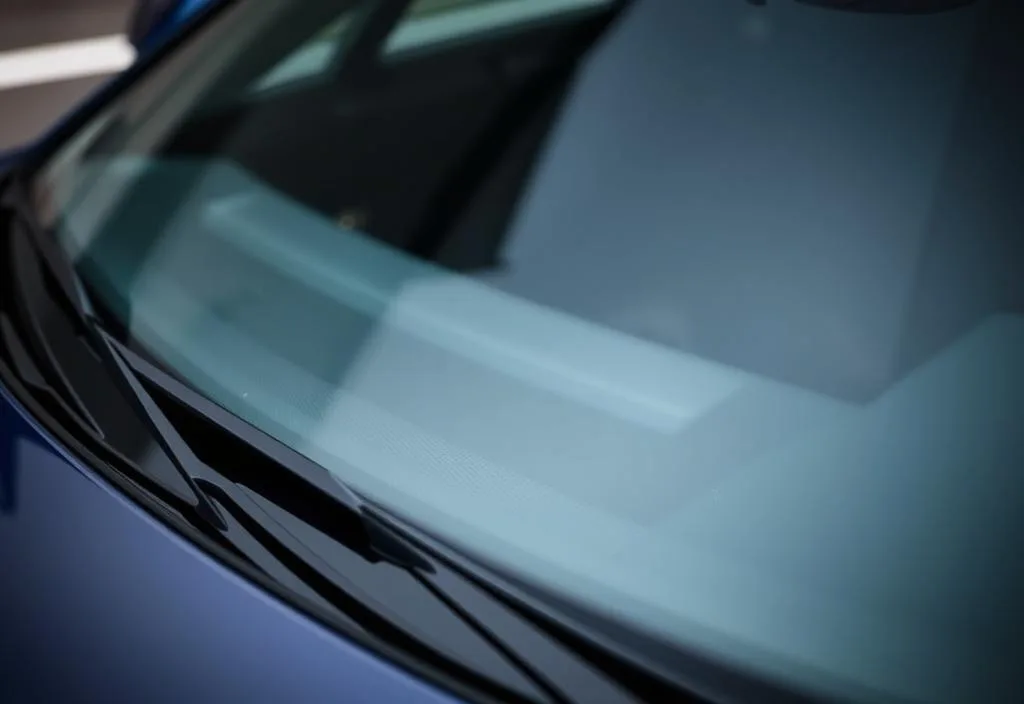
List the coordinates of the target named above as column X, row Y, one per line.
column 373, row 537
column 176, row 449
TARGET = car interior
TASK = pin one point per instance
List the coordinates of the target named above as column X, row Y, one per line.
column 487, row 153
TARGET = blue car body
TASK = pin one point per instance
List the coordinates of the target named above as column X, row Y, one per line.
column 100, row 601
column 179, row 13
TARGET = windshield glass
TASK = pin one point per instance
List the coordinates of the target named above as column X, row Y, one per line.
column 708, row 316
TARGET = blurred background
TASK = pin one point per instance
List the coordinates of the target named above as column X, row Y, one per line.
column 52, row 54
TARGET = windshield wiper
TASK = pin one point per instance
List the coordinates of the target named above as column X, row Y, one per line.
column 43, row 272
column 16, row 220
column 65, row 290
column 145, row 383
column 249, row 494
column 269, row 504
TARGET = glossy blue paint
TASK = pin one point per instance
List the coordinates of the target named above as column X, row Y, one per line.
column 187, row 8
column 180, row 12
column 101, row 602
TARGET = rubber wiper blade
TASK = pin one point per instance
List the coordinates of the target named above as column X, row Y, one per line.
column 28, row 247
column 165, row 434
column 43, row 274
column 382, row 541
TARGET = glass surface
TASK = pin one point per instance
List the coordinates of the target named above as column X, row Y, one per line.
column 706, row 315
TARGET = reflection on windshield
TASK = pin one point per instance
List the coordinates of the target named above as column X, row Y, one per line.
column 706, row 314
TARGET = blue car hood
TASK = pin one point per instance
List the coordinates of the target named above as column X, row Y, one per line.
column 101, row 602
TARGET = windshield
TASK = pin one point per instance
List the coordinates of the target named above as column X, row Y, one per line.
column 706, row 316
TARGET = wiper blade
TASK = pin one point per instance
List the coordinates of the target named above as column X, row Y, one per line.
column 13, row 207
column 176, row 449
column 42, row 271
column 376, row 539
column 263, row 522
